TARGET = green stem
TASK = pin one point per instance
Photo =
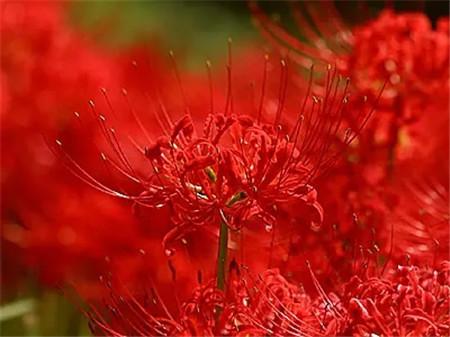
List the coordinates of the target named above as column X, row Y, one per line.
column 222, row 256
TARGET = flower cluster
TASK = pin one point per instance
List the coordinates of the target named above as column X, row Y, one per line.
column 62, row 230
column 236, row 169
column 44, row 64
column 381, row 180
column 407, row 301
column 302, row 192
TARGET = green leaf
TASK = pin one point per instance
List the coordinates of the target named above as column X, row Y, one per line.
column 16, row 309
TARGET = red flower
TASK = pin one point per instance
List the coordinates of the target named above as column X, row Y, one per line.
column 401, row 48
column 413, row 56
column 231, row 168
column 408, row 301
column 267, row 305
column 412, row 301
column 37, row 47
column 410, row 123
column 420, row 223
column 51, row 224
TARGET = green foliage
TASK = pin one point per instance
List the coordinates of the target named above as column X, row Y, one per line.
column 196, row 29
column 46, row 314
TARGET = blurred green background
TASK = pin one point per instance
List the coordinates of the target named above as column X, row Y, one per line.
column 197, row 29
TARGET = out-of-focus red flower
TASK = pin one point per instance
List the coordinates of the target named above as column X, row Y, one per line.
column 413, row 57
column 363, row 193
column 51, row 224
column 406, row 301
column 412, row 301
column 419, row 226
column 250, row 306
column 43, row 91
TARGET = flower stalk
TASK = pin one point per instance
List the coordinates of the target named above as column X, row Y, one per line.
column 222, row 255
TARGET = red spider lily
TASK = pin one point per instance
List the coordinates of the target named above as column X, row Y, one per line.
column 406, row 50
column 412, row 302
column 230, row 167
column 52, row 224
column 412, row 56
column 267, row 305
column 420, row 224
column 366, row 52
column 37, row 46
column 408, row 301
